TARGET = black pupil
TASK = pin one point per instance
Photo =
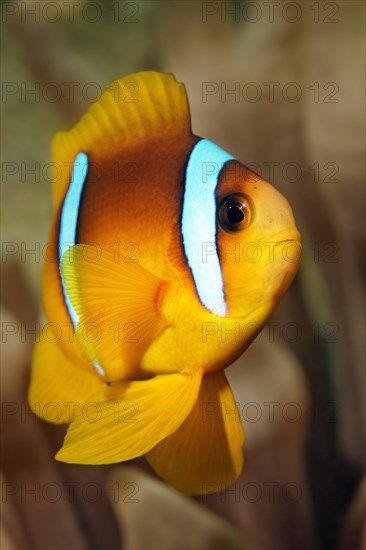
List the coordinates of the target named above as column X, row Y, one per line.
column 235, row 214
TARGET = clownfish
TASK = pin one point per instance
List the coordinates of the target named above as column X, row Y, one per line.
column 170, row 255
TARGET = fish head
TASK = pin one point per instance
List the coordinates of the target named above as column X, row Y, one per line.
column 258, row 243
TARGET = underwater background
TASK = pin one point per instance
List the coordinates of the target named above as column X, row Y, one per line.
column 281, row 86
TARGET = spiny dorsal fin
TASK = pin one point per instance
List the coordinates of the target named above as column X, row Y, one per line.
column 132, row 109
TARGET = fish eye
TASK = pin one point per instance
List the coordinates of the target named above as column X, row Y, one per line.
column 234, row 212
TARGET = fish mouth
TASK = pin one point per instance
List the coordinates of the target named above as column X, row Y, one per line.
column 288, row 241
column 283, row 238
column 295, row 238
column 287, row 237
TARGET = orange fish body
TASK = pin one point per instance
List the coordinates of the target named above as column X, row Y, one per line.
column 171, row 255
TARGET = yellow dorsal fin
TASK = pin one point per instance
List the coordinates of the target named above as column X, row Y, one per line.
column 132, row 109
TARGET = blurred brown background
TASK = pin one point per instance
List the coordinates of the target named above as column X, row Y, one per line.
column 281, row 86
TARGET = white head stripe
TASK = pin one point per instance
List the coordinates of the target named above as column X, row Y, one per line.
column 68, row 226
column 199, row 223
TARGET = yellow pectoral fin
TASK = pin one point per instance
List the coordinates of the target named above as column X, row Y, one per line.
column 58, row 387
column 205, row 455
column 128, row 419
column 118, row 305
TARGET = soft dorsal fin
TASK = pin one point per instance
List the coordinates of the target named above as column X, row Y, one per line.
column 132, row 109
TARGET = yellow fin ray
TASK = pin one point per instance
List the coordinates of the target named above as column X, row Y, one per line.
column 118, row 305
column 205, row 454
column 130, row 418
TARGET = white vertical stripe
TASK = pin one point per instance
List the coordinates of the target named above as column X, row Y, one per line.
column 199, row 223
column 68, row 226
column 69, row 219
